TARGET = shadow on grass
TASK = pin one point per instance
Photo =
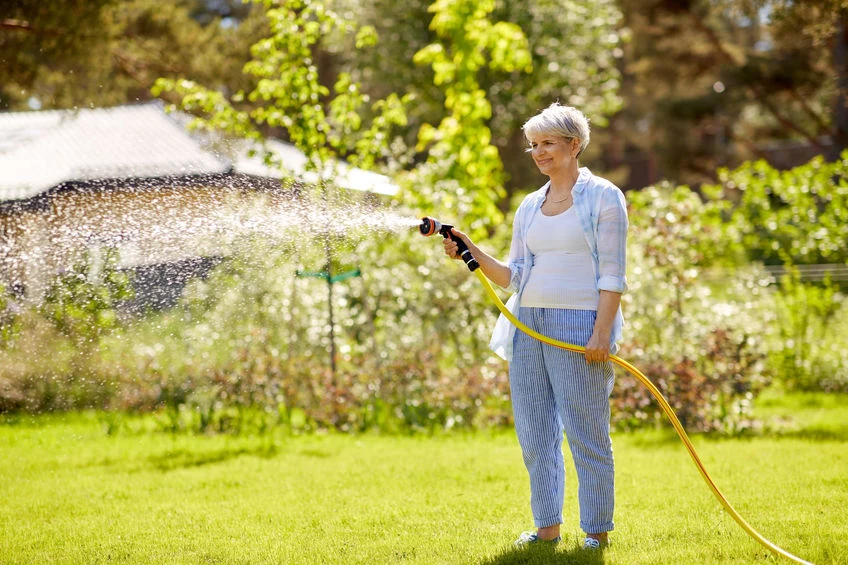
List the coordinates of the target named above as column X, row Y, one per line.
column 812, row 434
column 546, row 554
column 183, row 458
column 828, row 433
column 665, row 437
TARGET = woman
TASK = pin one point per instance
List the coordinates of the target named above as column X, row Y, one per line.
column 567, row 268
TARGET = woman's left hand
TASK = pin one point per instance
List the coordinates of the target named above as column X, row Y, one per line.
column 597, row 349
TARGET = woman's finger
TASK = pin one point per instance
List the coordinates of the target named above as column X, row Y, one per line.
column 595, row 355
column 450, row 248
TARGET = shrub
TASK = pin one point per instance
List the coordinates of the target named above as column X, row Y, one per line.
column 10, row 314
column 799, row 216
column 809, row 345
column 410, row 335
column 82, row 301
column 795, row 217
column 249, row 347
column 39, row 372
column 694, row 321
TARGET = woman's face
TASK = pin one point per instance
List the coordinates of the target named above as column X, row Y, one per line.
column 552, row 152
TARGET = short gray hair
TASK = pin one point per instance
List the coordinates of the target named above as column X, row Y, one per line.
column 564, row 121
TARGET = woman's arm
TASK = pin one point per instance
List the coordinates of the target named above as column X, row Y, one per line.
column 496, row 271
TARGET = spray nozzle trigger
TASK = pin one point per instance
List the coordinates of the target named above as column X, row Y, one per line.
column 430, row 226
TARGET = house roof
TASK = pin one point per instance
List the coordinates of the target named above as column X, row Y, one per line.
column 295, row 162
column 42, row 150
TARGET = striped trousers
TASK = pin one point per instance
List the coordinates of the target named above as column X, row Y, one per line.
column 554, row 390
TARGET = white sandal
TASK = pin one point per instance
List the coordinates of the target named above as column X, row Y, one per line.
column 592, row 543
column 528, row 538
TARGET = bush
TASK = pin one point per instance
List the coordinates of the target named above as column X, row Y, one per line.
column 809, row 346
column 795, row 217
column 411, row 336
column 256, row 390
column 694, row 321
column 798, row 216
column 81, row 303
column 249, row 347
column 41, row 371
column 10, row 314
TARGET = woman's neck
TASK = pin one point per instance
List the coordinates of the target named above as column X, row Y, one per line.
column 564, row 181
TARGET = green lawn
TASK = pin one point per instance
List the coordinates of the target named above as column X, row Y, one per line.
column 73, row 494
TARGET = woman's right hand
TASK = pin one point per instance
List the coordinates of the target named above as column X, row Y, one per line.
column 451, row 248
column 497, row 272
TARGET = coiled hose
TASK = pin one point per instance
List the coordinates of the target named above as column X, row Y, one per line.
column 666, row 408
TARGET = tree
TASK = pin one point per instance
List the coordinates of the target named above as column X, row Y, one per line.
column 124, row 46
column 33, row 32
column 101, row 52
column 708, row 83
column 574, row 46
column 290, row 98
column 459, row 149
column 815, row 28
column 289, row 95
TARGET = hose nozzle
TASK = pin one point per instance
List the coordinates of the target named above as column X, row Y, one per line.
column 430, row 226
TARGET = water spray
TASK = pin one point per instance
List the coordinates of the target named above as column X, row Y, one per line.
column 430, row 226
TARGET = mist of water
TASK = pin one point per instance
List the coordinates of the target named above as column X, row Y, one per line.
column 155, row 225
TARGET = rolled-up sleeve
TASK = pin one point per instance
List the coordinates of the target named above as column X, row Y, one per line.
column 517, row 249
column 612, row 241
column 514, row 277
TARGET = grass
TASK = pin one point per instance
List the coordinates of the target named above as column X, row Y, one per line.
column 73, row 494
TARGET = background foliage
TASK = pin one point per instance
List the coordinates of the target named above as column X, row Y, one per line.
column 441, row 105
column 675, row 90
column 248, row 347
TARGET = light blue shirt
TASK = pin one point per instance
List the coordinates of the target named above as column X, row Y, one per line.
column 603, row 217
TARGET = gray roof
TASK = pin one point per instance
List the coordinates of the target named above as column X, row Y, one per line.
column 42, row 150
column 295, row 162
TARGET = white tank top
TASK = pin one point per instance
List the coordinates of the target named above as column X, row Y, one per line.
column 563, row 273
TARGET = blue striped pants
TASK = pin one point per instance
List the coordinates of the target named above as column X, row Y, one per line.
column 554, row 390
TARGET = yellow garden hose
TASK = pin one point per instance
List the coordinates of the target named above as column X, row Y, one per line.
column 666, row 408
